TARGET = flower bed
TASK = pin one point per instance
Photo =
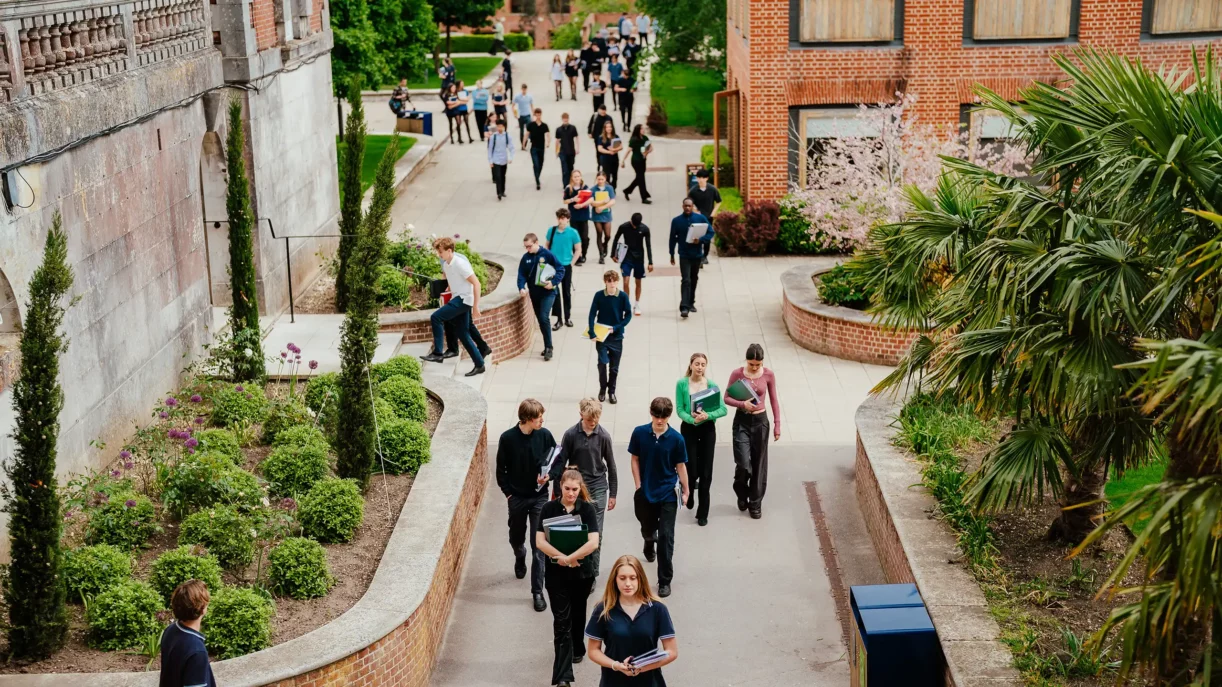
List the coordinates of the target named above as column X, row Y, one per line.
column 836, row 331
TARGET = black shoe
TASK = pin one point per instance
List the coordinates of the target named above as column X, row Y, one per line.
column 691, row 308
column 702, row 521
column 556, row 327
column 475, row 371
column 519, row 565
column 627, row 196
column 484, row 351
column 683, row 314
column 538, row 187
column 450, row 353
column 602, row 259
column 650, row 555
column 602, row 395
column 540, row 603
column 568, row 323
column 756, row 514
column 664, row 590
column 433, row 357
column 704, row 260
column 742, row 503
column 547, row 354
column 647, row 201
column 579, row 659
column 611, row 398
column 580, row 261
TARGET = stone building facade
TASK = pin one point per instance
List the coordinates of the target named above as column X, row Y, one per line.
column 796, row 67
column 114, row 114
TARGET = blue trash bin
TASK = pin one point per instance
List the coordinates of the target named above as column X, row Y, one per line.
column 894, row 642
column 428, row 123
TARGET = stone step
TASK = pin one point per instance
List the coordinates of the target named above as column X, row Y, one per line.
column 454, row 368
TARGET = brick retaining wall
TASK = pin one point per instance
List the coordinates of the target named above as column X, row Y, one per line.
column 836, row 331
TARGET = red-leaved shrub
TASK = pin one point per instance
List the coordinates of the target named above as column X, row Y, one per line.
column 751, row 232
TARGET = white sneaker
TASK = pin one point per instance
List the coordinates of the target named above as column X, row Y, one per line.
column 636, row 310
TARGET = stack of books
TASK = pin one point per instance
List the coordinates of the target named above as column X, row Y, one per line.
column 544, row 273
column 566, row 532
column 649, row 658
column 743, row 391
column 708, row 400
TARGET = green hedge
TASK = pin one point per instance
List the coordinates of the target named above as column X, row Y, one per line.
column 516, row 42
column 727, row 162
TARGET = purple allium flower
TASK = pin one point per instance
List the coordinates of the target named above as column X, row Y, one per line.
column 313, row 364
column 171, row 401
column 199, row 420
column 163, row 415
column 457, row 236
column 196, row 398
column 130, row 503
column 191, row 443
column 116, row 473
column 239, row 388
column 191, row 451
column 128, row 465
column 293, row 348
column 125, row 454
column 68, row 514
column 297, row 357
column 288, row 503
column 283, row 355
column 248, row 396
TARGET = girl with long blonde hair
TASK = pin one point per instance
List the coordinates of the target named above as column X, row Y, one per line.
column 698, row 429
column 629, row 622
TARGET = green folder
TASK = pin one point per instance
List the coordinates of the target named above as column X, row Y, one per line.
column 742, row 391
column 709, row 400
column 568, row 541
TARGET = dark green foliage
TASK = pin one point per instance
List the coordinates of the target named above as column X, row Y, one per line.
column 839, row 286
column 301, row 435
column 477, row 264
column 204, row 480
column 224, row 532
column 282, row 415
column 567, row 36
column 689, row 29
column 350, row 193
column 708, row 159
column 298, row 569
column 394, row 287
column 482, row 43
column 406, row 33
column 124, row 616
column 356, row 55
column 405, row 446
column 127, row 520
column 384, row 410
column 244, row 313
column 406, row 396
column 239, row 404
column 220, row 442
column 332, row 510
column 355, row 440
column 238, row 622
column 451, row 13
column 398, row 366
column 38, row 621
column 91, row 570
column 795, row 237
column 292, row 470
column 321, row 391
column 176, row 566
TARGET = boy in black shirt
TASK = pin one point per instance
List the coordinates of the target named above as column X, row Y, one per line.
column 567, row 148
column 707, row 199
column 184, row 659
column 521, row 456
column 637, row 237
column 537, row 132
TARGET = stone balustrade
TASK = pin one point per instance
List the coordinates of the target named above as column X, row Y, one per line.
column 164, row 28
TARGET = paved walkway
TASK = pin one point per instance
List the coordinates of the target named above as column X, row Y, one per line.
column 751, row 600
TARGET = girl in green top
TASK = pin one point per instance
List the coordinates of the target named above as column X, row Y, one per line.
column 699, row 432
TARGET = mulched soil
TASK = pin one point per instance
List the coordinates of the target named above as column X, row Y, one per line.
column 353, row 564
column 320, row 299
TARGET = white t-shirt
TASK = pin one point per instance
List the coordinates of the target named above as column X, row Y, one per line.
column 457, row 272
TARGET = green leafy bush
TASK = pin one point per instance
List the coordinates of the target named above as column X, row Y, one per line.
column 394, row 288
column 332, row 510
column 203, row 480
column 222, row 442
column 731, row 199
column 795, row 236
column 124, row 616
column 567, row 36
column 284, row 414
column 240, row 404
column 839, row 287
column 405, row 446
column 91, row 570
column 238, row 622
column 384, row 410
column 406, row 396
column 404, row 365
column 415, row 256
column 301, row 435
column 726, row 175
column 224, row 532
column 298, row 569
column 292, row 470
column 176, row 566
column 127, row 520
column 477, row 264
column 517, row 42
column 322, row 391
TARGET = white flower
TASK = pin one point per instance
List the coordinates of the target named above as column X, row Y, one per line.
column 249, row 353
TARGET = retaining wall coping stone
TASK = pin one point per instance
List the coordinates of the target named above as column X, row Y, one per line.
column 966, row 630
column 400, row 585
column 506, row 292
column 799, row 286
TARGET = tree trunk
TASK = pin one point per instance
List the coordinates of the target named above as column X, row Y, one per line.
column 449, row 52
column 1076, row 521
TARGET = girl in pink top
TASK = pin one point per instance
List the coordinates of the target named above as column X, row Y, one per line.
column 750, row 431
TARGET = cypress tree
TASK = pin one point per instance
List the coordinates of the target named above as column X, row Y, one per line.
column 350, row 189
column 38, row 620
column 356, row 441
column 248, row 363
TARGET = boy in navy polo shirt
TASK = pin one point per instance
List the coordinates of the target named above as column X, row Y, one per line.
column 658, row 468
column 184, row 659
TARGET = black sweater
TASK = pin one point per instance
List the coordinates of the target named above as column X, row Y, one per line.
column 638, row 240
column 518, row 460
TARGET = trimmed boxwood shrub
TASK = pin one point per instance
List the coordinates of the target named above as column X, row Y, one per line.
column 240, row 404
column 203, row 480
column 124, row 616
column 332, row 510
column 238, row 622
column 301, row 435
column 394, row 287
column 298, row 569
column 838, row 286
column 322, row 391
column 176, row 566
column 384, row 410
column 405, row 446
column 91, row 570
column 404, row 365
column 406, row 396
column 224, row 533
column 284, row 414
column 292, row 470
column 221, row 442
column 127, row 520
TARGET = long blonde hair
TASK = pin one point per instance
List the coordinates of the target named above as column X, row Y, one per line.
column 570, row 475
column 643, row 590
column 691, row 360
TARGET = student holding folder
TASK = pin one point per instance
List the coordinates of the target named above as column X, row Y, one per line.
column 626, row 627
column 570, row 575
column 689, row 243
column 747, row 388
column 698, row 404
column 539, row 273
column 610, row 308
column 524, row 458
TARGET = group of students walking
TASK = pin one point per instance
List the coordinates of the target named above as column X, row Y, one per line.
column 577, row 480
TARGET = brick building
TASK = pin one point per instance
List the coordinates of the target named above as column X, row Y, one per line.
column 796, row 68
column 520, row 17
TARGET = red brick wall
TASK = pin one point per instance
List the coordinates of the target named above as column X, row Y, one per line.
column 263, row 17
column 316, row 16
column 842, row 338
column 405, row 657
column 878, row 521
column 932, row 63
column 507, row 328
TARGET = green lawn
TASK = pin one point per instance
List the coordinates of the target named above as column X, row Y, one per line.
column 731, row 200
column 1120, row 490
column 687, row 92
column 375, row 146
column 468, row 69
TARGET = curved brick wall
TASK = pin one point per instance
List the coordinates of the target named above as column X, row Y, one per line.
column 835, row 331
column 506, row 321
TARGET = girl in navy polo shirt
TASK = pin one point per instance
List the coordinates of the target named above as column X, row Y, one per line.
column 634, row 624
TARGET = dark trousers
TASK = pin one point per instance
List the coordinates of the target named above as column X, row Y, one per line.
column 481, row 122
column 522, row 122
column 541, row 299
column 568, row 602
column 585, row 80
column 460, row 314
column 497, row 46
column 599, row 100
column 452, row 338
column 583, row 230
column 564, row 293
column 658, row 525
column 524, row 516
column 609, row 164
column 638, row 181
column 625, row 109
column 609, row 354
column 536, row 159
column 700, row 440
column 566, row 167
column 498, row 176
column 689, row 272
column 751, row 457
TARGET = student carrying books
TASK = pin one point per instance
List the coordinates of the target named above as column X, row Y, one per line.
column 698, row 403
column 521, row 460
column 609, row 308
column 539, row 273
column 751, row 428
column 627, row 626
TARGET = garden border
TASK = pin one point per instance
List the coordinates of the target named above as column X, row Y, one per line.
column 833, row 330
column 917, row 548
column 393, row 634
column 506, row 320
